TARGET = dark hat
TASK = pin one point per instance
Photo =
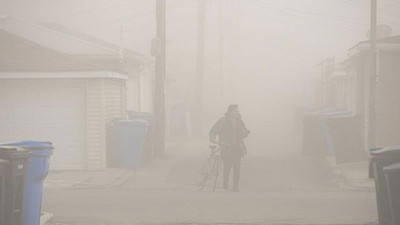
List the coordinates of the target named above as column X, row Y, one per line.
column 232, row 107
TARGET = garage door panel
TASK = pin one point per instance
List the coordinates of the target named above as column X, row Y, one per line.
column 25, row 96
column 73, row 136
column 5, row 135
column 45, row 115
column 52, row 110
column 54, row 96
column 18, row 134
column 23, row 116
column 61, row 153
column 5, row 116
column 73, row 115
column 49, row 134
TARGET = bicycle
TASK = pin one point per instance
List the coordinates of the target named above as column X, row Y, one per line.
column 210, row 171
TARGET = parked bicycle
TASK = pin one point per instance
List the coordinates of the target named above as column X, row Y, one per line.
column 210, row 171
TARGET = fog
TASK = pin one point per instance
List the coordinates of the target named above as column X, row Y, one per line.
column 263, row 55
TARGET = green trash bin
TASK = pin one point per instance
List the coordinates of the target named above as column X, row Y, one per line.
column 380, row 159
column 392, row 177
column 16, row 171
column 3, row 164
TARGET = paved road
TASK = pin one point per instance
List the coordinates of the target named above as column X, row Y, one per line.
column 274, row 190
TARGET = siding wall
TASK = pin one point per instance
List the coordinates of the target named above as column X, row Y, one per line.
column 146, row 95
column 114, row 108
column 133, row 94
column 96, row 157
column 106, row 101
column 387, row 100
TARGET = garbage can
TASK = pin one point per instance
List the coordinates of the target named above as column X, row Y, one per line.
column 379, row 159
column 347, row 138
column 148, row 150
column 392, row 177
column 16, row 170
column 130, row 138
column 317, row 139
column 313, row 137
column 370, row 166
column 3, row 164
column 38, row 168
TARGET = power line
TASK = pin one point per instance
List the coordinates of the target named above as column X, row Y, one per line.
column 85, row 12
column 309, row 13
column 262, row 14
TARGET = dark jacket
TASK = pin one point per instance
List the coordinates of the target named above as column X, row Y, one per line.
column 227, row 134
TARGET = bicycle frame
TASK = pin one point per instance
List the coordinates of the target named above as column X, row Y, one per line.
column 211, row 168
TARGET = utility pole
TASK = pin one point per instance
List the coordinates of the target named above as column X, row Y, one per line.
column 159, row 91
column 372, row 78
column 323, row 91
column 198, row 107
column 221, row 50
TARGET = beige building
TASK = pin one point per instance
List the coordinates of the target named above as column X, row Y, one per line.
column 67, row 90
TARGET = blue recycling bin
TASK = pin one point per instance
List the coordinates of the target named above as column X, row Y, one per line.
column 38, row 168
column 148, row 149
column 130, row 139
column 317, row 139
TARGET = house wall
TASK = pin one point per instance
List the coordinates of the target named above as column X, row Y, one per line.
column 356, row 72
column 387, row 100
column 387, row 104
column 95, row 148
column 133, row 94
column 351, row 104
column 139, row 89
column 146, row 91
column 106, row 101
column 114, row 108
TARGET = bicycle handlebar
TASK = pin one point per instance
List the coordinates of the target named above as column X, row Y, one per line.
column 220, row 143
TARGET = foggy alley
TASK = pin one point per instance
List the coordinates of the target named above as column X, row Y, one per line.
column 274, row 189
column 110, row 108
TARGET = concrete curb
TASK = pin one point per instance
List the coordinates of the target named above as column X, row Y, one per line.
column 45, row 218
column 96, row 184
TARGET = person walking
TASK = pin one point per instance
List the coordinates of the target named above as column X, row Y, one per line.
column 230, row 131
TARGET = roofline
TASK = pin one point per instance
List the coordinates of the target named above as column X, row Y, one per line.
column 63, row 75
column 381, row 45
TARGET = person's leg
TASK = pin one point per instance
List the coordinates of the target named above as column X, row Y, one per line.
column 227, row 170
column 236, row 173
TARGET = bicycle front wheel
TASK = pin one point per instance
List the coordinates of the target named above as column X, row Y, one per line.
column 205, row 173
column 215, row 171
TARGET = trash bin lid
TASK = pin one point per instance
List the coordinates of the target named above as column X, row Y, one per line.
column 12, row 149
column 392, row 167
column 10, row 152
column 132, row 122
column 387, row 153
column 32, row 145
column 393, row 149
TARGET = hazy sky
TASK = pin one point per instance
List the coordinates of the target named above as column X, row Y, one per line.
column 270, row 49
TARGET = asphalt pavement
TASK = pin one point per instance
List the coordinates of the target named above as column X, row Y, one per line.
column 275, row 189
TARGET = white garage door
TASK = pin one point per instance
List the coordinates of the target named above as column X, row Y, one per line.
column 46, row 110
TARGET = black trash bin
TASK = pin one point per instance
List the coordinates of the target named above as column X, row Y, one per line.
column 392, row 177
column 379, row 159
column 15, row 178
column 370, row 167
column 3, row 164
